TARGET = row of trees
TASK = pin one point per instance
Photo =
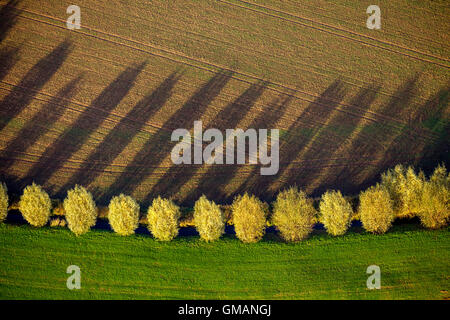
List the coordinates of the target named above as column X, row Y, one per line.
column 401, row 193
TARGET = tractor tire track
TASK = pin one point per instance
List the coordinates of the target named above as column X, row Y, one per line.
column 217, row 67
column 406, row 36
column 117, row 117
column 160, row 127
column 339, row 29
column 214, row 66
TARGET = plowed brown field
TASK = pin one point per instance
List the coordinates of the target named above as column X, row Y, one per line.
column 96, row 106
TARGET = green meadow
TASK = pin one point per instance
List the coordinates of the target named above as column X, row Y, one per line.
column 414, row 263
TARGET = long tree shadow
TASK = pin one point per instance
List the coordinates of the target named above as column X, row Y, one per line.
column 8, row 17
column 413, row 145
column 122, row 134
column 377, row 142
column 157, row 148
column 227, row 118
column 318, row 143
column 300, row 134
column 32, row 82
column 39, row 124
column 435, row 118
column 69, row 142
column 8, row 58
column 255, row 182
column 327, row 146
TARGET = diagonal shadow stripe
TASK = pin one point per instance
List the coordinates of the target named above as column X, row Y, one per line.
column 354, row 177
column 406, row 148
column 256, row 183
column 32, row 82
column 324, row 177
column 435, row 117
column 297, row 138
column 71, row 141
column 122, row 134
column 39, row 124
column 228, row 118
column 159, row 145
column 8, row 58
column 8, row 17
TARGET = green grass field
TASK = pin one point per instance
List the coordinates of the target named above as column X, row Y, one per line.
column 415, row 264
